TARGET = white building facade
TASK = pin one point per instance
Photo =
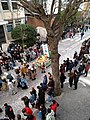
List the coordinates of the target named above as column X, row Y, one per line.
column 11, row 15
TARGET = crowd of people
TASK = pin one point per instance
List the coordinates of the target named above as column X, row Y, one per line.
column 70, row 32
column 18, row 59
column 36, row 100
column 18, row 62
column 75, row 68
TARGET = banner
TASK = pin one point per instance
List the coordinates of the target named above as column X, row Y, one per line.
column 45, row 49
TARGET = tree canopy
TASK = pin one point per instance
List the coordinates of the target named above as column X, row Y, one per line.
column 24, row 33
column 54, row 14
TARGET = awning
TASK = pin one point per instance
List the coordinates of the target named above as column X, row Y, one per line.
column 2, row 22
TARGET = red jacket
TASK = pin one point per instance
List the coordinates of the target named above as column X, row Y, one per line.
column 54, row 107
column 28, row 111
column 34, row 118
column 87, row 67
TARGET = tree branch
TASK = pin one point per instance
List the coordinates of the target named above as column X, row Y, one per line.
column 59, row 7
column 52, row 7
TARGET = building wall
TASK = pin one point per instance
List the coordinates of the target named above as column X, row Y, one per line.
column 14, row 16
column 0, row 17
column 34, row 22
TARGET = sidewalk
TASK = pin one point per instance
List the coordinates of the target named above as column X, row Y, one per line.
column 86, row 80
column 74, row 105
column 77, row 38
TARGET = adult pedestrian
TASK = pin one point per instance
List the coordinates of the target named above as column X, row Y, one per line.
column 14, row 82
column 40, row 114
column 62, row 79
column 9, row 112
column 34, row 92
column 62, row 69
column 75, row 55
column 76, row 78
column 11, row 87
column 50, row 114
column 45, row 79
column 41, row 95
column 54, row 106
column 25, row 100
column 18, row 80
column 50, row 76
column 43, row 67
column 51, row 82
column 23, row 82
column 27, row 111
column 0, row 83
column 75, row 62
column 82, row 34
column 32, row 99
column 43, row 110
column 50, row 94
column 67, row 64
column 71, row 65
column 71, row 77
column 86, row 69
column 44, row 83
column 81, row 68
column 33, row 72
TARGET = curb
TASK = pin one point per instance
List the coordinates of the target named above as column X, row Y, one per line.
column 85, row 80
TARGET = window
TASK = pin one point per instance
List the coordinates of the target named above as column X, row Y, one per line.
column 5, row 5
column 14, row 5
column 18, row 22
column 10, row 26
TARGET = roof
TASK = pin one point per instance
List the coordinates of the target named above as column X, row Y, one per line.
column 2, row 22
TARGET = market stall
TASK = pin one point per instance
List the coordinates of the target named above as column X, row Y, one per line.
column 43, row 59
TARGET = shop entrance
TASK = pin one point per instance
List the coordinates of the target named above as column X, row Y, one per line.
column 2, row 35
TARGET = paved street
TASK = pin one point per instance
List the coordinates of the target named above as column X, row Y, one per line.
column 74, row 105
column 68, row 47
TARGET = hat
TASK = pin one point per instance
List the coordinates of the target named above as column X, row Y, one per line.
column 3, row 77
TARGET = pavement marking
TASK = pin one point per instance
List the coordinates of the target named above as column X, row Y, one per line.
column 82, row 83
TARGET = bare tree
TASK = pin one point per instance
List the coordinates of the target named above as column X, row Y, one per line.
column 54, row 24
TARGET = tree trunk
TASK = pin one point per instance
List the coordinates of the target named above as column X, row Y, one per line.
column 53, row 46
